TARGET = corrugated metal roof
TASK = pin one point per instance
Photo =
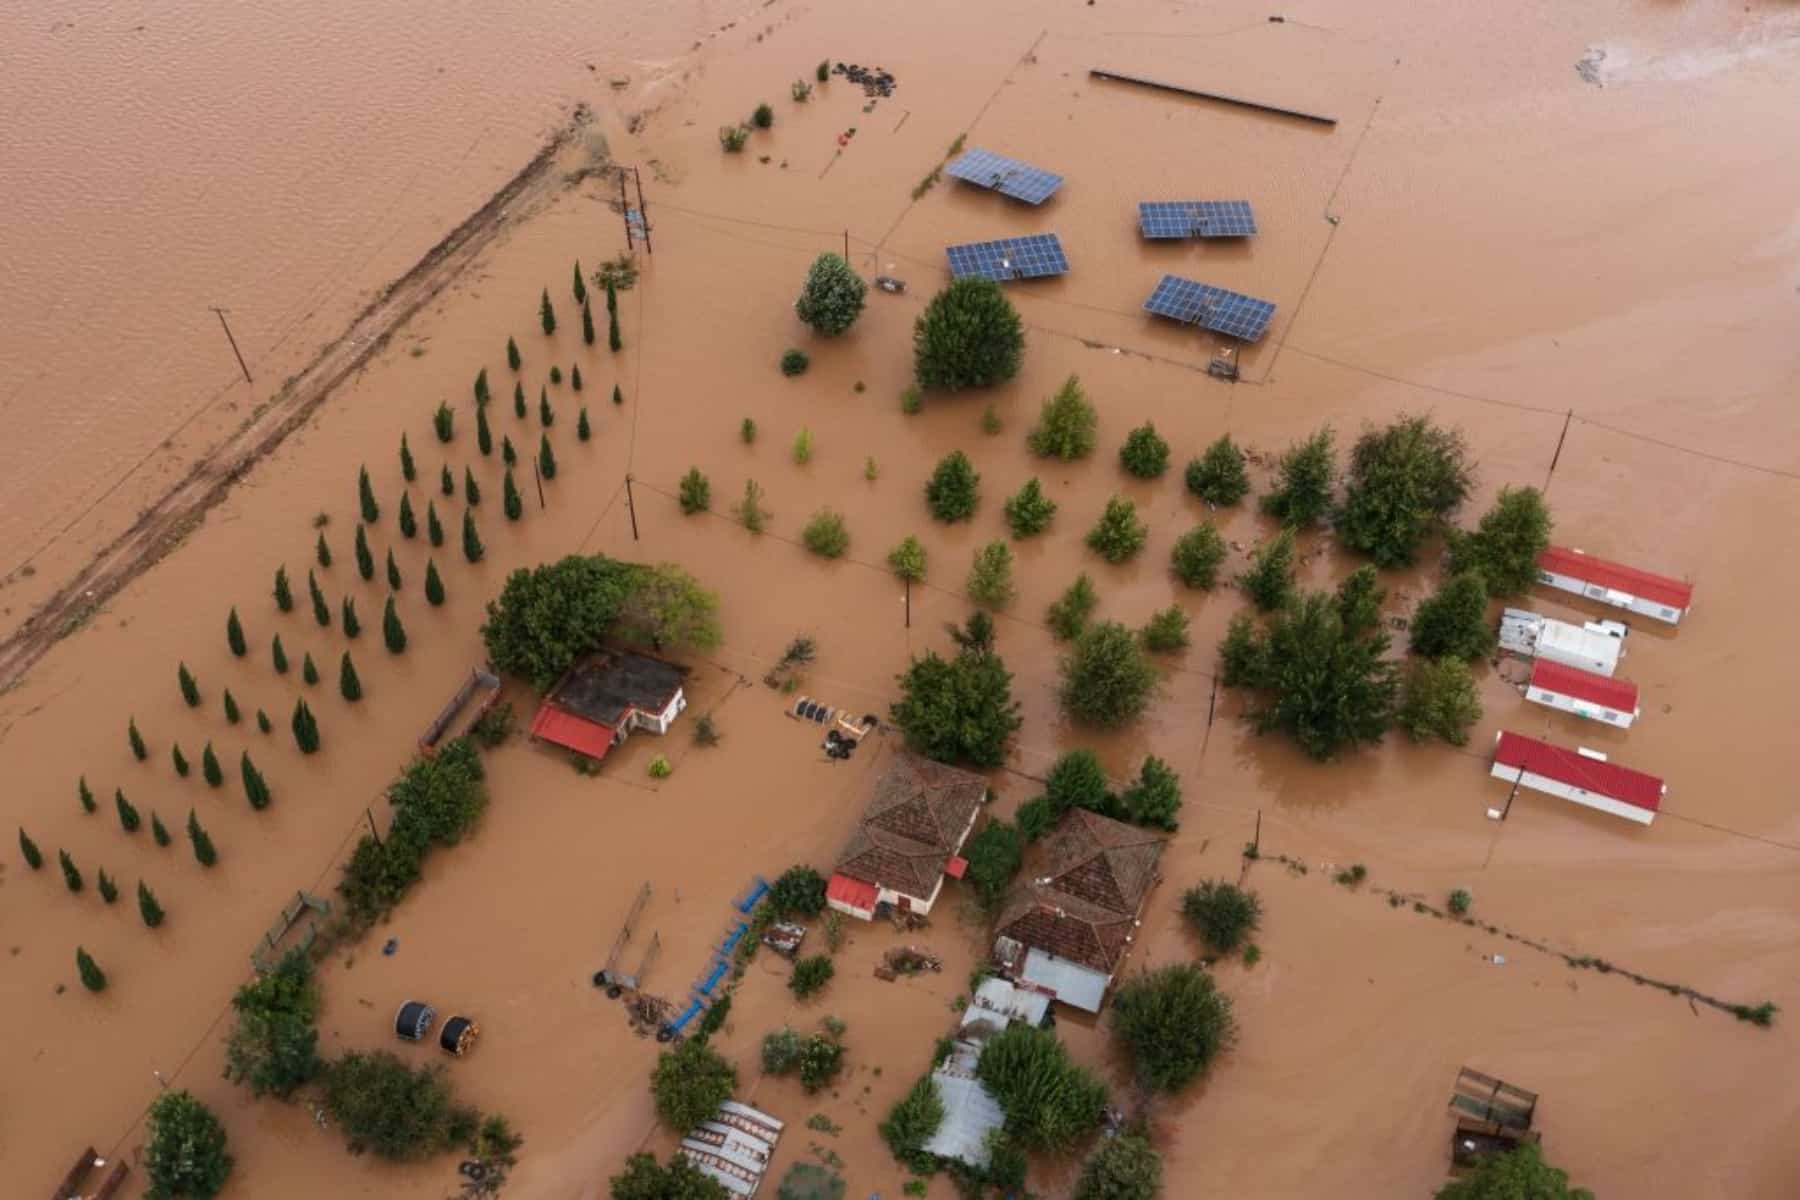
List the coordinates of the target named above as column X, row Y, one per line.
column 970, row 1115
column 572, row 732
column 854, row 892
column 1579, row 771
column 1618, row 694
column 1563, row 560
column 1071, row 983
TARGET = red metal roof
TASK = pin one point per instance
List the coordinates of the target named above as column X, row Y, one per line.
column 956, row 866
column 854, row 892
column 1620, row 695
column 1577, row 770
column 1660, row 588
column 565, row 729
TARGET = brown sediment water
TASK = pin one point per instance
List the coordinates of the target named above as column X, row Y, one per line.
column 1595, row 267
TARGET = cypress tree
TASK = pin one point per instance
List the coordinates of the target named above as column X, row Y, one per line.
column 580, row 285
column 583, row 431
column 306, row 729
column 409, row 525
column 209, row 765
column 393, row 572
column 612, row 333
column 280, row 656
column 140, row 751
column 434, row 529
column 575, row 377
column 471, row 489
column 256, row 788
column 546, row 415
column 85, row 795
column 234, row 634
column 128, row 816
column 321, row 610
column 308, row 671
column 546, row 459
column 352, row 623
column 322, row 551
column 434, row 586
column 618, row 396
column 365, row 561
column 148, row 908
column 612, row 297
column 180, row 760
column 109, row 891
column 190, row 691
column 392, row 632
column 408, row 469
column 284, row 596
column 481, row 389
column 519, row 401
column 443, row 422
column 484, row 437
column 472, row 547
column 159, row 833
column 446, row 481
column 509, row 493
column 34, row 858
column 349, row 686
column 92, row 977
column 547, row 315
column 365, row 493
column 587, row 324
column 71, row 872
column 512, row 354
column 263, row 723
column 232, row 713
column 508, row 455
column 204, row 854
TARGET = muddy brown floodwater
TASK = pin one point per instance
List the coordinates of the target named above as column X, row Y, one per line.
column 1603, row 259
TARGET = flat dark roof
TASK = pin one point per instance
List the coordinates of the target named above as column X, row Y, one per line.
column 602, row 688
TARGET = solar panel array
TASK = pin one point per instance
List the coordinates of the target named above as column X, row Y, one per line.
column 1007, row 176
column 1196, row 218
column 1222, row 311
column 1031, row 257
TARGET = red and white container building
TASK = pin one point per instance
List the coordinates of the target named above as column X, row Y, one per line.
column 1613, row 583
column 1583, row 776
column 1572, row 690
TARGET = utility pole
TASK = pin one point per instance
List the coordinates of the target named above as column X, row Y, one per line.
column 909, row 603
column 370, row 814
column 242, row 365
column 846, row 245
column 643, row 213
column 1557, row 457
column 625, row 210
column 538, row 475
column 631, row 508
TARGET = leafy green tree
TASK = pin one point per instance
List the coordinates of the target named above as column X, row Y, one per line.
column 1051, row 1104
column 961, row 709
column 798, row 892
column 546, row 457
column 1172, row 1022
column 1505, row 546
column 70, row 872
column 109, row 891
column 1145, row 454
column 440, row 798
column 148, row 908
column 1066, row 425
column 832, row 297
column 273, row 1048
column 1118, row 534
column 1519, row 1174
column 434, row 584
column 306, row 728
column 1404, row 483
column 1223, row 914
column 234, row 632
column 954, row 488
column 910, row 1124
column 968, row 336
column 471, row 538
column 204, row 854
column 139, row 750
column 1154, row 797
column 1437, row 699
column 85, row 795
column 1270, row 580
column 1123, row 1168
column 92, row 977
column 512, row 354
column 34, row 858
column 810, row 975
column 1197, row 555
column 322, row 551
column 994, row 856
column 365, row 558
column 583, row 430
column 209, row 766
column 1166, row 631
column 826, row 535
column 1107, row 680
column 1077, row 780
column 1029, row 511
column 907, row 559
column 550, row 615
column 128, row 815
column 190, row 690
column 409, row 524
column 1218, row 476
column 990, row 579
column 365, row 494
column 666, row 607
column 1453, row 621
column 689, row 1083
column 645, row 1179
column 409, row 470
column 159, row 833
column 393, row 633
column 547, row 314
column 434, row 529
column 1359, row 600
column 321, row 610
column 256, row 788
column 1304, row 480
column 1069, row 614
column 284, row 596
column 587, row 325
column 398, row 1112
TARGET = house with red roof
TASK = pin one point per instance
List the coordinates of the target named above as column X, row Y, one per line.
column 607, row 696
column 1583, row 776
column 908, row 839
column 1594, row 578
column 1572, row 690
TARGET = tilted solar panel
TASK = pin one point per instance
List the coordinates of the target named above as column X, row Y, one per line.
column 1030, row 257
column 1217, row 309
column 1007, row 176
column 1196, row 218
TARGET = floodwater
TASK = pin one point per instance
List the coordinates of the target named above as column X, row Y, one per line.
column 1594, row 268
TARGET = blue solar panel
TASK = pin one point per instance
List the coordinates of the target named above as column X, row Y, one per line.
column 1030, row 257
column 1007, row 176
column 1222, row 311
column 1196, row 218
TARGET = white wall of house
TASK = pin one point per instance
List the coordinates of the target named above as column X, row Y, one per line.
column 1581, row 708
column 1555, row 787
column 919, row 904
column 1606, row 595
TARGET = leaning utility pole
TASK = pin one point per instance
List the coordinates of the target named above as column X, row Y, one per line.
column 242, row 365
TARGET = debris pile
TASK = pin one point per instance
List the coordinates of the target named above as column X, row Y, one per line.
column 906, row 960
column 874, row 80
column 647, row 1013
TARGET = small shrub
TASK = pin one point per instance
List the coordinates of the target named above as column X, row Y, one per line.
column 1065, row 428
column 1166, row 631
column 1068, row 616
column 747, row 431
column 1223, row 914
column 204, row 854
column 1118, row 534
column 148, row 909
column 990, row 421
column 71, row 873
column 801, row 91
column 954, row 488
column 908, row 559
column 763, row 117
column 1218, row 475
column 495, row 726
column 1028, row 511
column 1196, row 557
column 749, row 510
column 803, row 447
column 696, row 492
column 92, row 977
column 795, row 362
column 832, row 297
column 34, row 858
column 1459, row 902
column 1352, row 875
column 1145, row 454
column 911, row 401
column 659, row 768
column 190, row 690
column 822, row 72
column 990, row 579
column 871, row 469
column 1154, row 798
column 810, row 975
column 733, row 137
column 825, row 535
column 1123, row 1168
column 910, row 1124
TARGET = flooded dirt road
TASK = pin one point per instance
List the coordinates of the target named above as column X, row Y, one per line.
column 1596, row 270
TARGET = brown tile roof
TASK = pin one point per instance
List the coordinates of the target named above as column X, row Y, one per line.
column 914, row 823
column 1082, row 889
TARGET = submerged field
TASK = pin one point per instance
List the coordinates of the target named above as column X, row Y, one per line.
column 1485, row 236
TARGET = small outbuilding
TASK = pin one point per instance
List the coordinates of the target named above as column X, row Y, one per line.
column 1641, row 592
column 908, row 839
column 1595, row 647
column 1570, row 689
column 607, row 696
column 1583, row 776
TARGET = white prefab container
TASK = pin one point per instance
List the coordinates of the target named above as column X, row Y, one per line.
column 1585, row 648
column 1584, row 693
column 1643, row 592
